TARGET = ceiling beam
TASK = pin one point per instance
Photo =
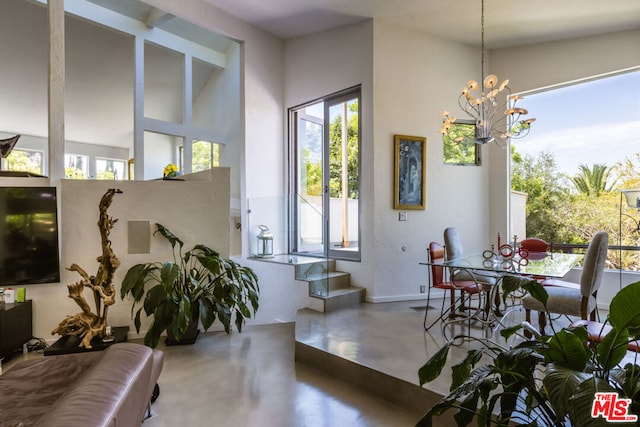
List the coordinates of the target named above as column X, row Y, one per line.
column 158, row 17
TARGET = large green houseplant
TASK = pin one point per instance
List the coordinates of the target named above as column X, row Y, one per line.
column 197, row 285
column 547, row 380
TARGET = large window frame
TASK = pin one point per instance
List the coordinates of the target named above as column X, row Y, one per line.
column 332, row 216
column 571, row 192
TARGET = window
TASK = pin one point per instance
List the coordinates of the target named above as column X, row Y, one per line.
column 582, row 150
column 204, row 155
column 109, row 169
column 25, row 160
column 463, row 153
column 76, row 166
column 325, row 176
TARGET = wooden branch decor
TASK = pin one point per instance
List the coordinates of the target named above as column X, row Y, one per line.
column 86, row 325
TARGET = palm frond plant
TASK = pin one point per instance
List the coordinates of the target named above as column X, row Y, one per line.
column 544, row 381
column 197, row 285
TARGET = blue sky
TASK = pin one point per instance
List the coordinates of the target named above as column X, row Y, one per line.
column 587, row 123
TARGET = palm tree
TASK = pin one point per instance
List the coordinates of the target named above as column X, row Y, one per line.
column 593, row 181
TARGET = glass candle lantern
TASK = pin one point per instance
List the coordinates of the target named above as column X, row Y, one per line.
column 633, row 197
column 265, row 242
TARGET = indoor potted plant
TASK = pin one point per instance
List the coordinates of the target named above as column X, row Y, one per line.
column 197, row 285
column 548, row 380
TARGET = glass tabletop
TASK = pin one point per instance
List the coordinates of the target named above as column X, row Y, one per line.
column 555, row 264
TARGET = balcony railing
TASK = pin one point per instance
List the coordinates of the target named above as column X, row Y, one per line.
column 630, row 261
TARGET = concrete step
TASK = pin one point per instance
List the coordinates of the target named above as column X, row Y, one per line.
column 337, row 299
column 311, row 268
column 325, row 283
column 406, row 395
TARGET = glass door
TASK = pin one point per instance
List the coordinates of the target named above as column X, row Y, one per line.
column 342, row 136
column 308, row 197
column 325, row 208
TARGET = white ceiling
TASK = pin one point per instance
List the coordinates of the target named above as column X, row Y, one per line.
column 507, row 22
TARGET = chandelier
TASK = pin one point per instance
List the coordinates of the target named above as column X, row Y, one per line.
column 494, row 112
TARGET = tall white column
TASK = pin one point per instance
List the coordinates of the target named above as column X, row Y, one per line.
column 56, row 90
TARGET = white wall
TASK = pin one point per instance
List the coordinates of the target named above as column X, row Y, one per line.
column 204, row 203
column 416, row 77
column 218, row 107
column 324, row 63
column 262, row 156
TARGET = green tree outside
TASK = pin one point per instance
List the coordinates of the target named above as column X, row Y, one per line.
column 313, row 183
column 24, row 160
column 593, row 181
column 571, row 209
column 459, row 146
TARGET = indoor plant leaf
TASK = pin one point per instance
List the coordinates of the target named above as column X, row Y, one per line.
column 567, row 348
column 461, row 371
column 581, row 403
column 623, row 311
column 613, row 348
column 560, row 383
column 168, row 275
column 432, row 369
column 537, row 291
column 168, row 235
column 197, row 286
column 511, row 284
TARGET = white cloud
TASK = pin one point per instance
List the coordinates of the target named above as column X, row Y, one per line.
column 606, row 144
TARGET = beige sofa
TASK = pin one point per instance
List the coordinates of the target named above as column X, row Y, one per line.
column 102, row 388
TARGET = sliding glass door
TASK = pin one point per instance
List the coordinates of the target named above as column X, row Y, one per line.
column 325, row 208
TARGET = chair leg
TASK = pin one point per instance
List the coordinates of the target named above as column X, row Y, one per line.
column 426, row 309
column 527, row 317
column 542, row 321
column 442, row 311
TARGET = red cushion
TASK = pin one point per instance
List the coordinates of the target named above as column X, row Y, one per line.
column 597, row 331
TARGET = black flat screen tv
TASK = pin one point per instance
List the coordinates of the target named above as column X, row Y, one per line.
column 28, row 236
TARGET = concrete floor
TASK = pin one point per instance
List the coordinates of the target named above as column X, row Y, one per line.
column 252, row 378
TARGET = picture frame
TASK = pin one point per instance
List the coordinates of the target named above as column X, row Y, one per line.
column 410, row 160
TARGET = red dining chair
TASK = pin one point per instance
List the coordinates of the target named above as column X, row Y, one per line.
column 533, row 244
column 537, row 249
column 437, row 281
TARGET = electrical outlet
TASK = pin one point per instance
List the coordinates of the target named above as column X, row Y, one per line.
column 423, row 289
column 402, row 216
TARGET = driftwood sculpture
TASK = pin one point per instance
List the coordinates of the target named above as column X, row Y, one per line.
column 87, row 325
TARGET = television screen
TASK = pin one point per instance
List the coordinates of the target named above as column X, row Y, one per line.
column 28, row 236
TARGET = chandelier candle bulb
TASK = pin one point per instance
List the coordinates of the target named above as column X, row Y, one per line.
column 496, row 121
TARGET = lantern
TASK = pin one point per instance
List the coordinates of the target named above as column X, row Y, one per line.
column 265, row 242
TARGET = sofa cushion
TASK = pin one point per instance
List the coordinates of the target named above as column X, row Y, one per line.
column 30, row 388
column 108, row 388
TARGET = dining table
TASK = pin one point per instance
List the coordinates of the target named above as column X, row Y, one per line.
column 533, row 265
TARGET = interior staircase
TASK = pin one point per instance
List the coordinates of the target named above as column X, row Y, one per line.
column 329, row 289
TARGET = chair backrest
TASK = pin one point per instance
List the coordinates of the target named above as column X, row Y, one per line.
column 533, row 244
column 593, row 267
column 452, row 243
column 436, row 253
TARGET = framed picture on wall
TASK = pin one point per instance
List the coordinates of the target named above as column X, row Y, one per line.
column 410, row 154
